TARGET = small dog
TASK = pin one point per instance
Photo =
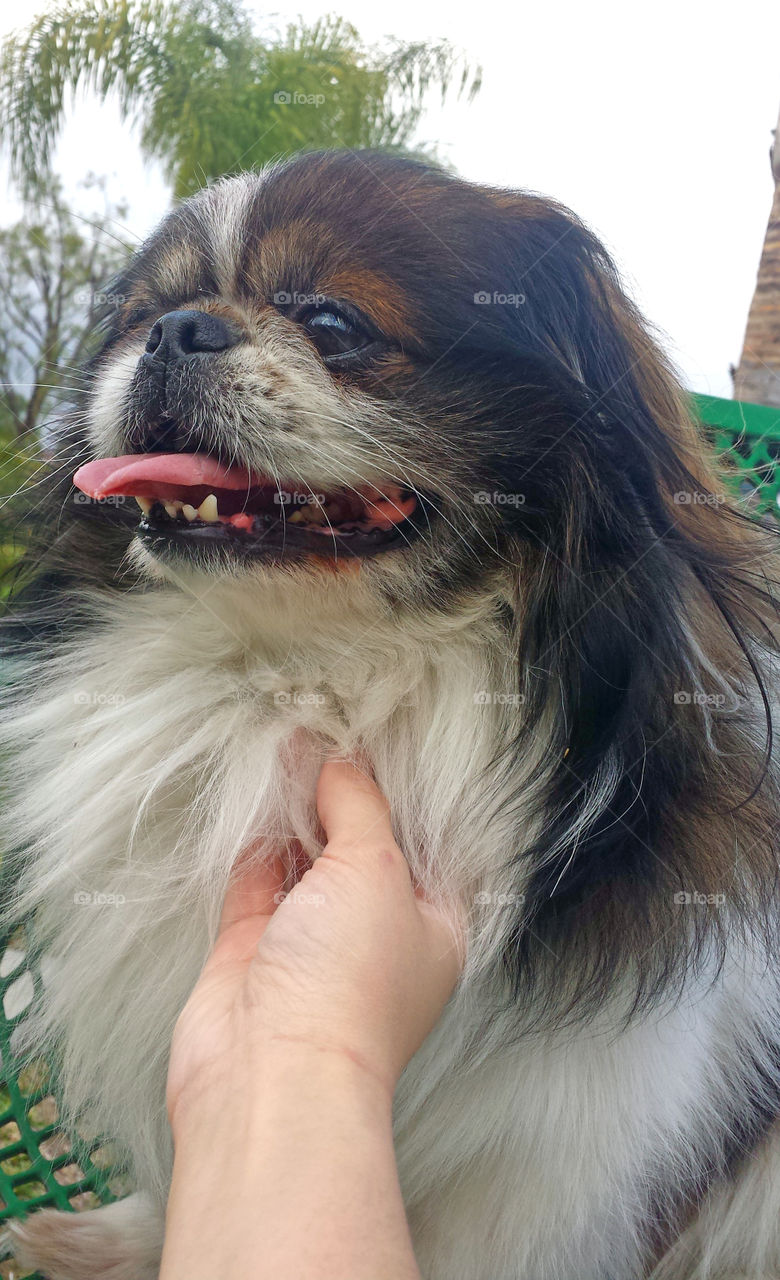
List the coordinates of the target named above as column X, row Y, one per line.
column 378, row 461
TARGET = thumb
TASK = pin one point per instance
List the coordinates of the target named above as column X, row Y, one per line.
column 352, row 809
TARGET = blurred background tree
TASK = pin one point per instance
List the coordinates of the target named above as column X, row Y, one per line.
column 209, row 93
column 54, row 264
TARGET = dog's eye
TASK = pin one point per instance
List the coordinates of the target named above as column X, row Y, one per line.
column 334, row 334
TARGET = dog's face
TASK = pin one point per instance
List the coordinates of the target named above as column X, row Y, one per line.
column 372, row 358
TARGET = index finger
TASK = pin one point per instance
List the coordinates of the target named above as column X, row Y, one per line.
column 253, row 890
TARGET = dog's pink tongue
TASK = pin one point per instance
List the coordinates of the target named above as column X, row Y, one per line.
column 158, row 475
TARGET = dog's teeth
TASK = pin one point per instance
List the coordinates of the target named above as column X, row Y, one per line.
column 189, row 512
column 295, row 518
column 312, row 513
column 172, row 509
column 208, row 509
column 145, row 505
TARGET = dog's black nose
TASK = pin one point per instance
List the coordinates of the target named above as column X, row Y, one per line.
column 185, row 333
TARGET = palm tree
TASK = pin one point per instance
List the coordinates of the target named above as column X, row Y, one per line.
column 758, row 376
column 210, row 94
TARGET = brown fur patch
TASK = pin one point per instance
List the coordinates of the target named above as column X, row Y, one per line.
column 383, row 302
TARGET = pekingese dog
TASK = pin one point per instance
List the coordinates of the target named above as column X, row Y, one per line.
column 376, row 460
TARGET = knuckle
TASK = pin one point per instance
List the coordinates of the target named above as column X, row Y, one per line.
column 380, row 848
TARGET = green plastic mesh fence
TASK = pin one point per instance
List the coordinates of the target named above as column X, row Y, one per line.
column 747, row 438
column 41, row 1165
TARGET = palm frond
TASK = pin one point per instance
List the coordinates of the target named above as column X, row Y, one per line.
column 210, row 93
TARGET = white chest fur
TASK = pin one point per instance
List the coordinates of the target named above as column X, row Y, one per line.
column 168, row 739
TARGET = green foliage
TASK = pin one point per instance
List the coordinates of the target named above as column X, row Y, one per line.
column 210, row 94
column 53, row 265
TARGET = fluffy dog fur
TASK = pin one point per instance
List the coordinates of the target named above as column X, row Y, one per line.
column 566, row 692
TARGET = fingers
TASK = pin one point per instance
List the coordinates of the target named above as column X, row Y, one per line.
column 254, row 889
column 352, row 809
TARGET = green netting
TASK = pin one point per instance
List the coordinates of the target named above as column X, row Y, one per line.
column 746, row 436
column 40, row 1164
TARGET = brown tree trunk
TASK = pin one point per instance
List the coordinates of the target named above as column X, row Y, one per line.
column 758, row 376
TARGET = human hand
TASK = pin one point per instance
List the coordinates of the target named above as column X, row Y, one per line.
column 353, row 962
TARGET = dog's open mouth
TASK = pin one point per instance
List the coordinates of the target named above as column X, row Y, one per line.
column 193, row 498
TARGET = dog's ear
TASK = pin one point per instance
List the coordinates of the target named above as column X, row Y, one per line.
column 637, row 585
column 576, row 310
column 607, row 588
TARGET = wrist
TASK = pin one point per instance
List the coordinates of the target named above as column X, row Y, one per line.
column 285, row 1074
column 295, row 1147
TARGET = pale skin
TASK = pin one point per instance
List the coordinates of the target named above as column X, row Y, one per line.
column 286, row 1058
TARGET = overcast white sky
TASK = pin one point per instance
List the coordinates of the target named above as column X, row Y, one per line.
column 654, row 125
